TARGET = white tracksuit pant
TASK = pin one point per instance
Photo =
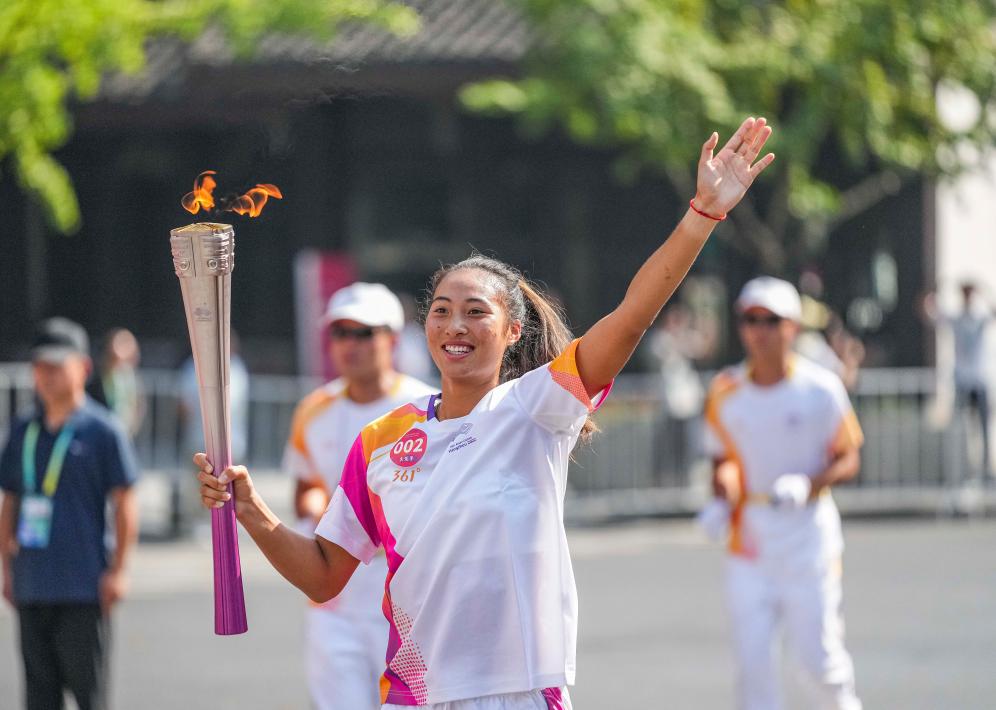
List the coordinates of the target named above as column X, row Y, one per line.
column 804, row 597
column 344, row 660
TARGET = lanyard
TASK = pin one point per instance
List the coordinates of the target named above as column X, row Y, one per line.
column 55, row 461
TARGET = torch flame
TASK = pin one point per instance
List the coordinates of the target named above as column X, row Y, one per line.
column 251, row 203
column 254, row 200
column 201, row 198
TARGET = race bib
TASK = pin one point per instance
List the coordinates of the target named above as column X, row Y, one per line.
column 35, row 524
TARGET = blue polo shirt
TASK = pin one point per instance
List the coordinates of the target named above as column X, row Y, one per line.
column 99, row 459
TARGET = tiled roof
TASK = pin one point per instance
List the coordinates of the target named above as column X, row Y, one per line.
column 453, row 32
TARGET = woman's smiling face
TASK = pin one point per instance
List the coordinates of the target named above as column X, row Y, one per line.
column 467, row 327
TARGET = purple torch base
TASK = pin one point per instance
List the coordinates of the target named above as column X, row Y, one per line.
column 229, row 602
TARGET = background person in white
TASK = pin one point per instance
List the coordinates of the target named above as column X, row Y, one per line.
column 781, row 432
column 474, row 333
column 971, row 379
column 346, row 637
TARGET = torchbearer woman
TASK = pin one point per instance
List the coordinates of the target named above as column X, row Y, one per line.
column 464, row 490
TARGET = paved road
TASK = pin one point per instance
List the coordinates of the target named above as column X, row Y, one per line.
column 920, row 604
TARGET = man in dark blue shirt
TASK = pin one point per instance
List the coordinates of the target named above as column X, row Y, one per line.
column 58, row 470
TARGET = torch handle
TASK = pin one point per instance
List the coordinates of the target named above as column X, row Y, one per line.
column 229, row 601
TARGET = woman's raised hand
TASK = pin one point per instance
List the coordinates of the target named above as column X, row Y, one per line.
column 214, row 490
column 723, row 178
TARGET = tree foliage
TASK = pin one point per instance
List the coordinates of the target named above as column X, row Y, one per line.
column 54, row 52
column 858, row 78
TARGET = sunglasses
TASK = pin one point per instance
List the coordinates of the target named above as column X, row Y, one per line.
column 338, row 332
column 767, row 321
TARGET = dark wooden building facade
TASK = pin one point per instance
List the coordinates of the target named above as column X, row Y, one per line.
column 375, row 158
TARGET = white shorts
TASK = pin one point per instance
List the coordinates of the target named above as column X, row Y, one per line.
column 549, row 699
column 344, row 658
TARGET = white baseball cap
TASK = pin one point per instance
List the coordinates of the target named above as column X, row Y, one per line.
column 776, row 295
column 366, row 303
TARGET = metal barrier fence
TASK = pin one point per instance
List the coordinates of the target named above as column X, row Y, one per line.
column 643, row 462
column 160, row 441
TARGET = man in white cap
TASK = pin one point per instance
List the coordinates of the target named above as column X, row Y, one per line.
column 347, row 636
column 781, row 431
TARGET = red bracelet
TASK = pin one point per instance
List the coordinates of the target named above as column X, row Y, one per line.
column 691, row 203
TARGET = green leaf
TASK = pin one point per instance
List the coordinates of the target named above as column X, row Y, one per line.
column 854, row 78
column 55, row 51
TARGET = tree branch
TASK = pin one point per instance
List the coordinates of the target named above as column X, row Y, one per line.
column 865, row 195
column 681, row 179
column 766, row 243
column 777, row 217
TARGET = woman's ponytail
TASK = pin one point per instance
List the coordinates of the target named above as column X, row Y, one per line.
column 544, row 334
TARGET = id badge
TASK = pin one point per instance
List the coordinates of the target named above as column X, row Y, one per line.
column 35, row 524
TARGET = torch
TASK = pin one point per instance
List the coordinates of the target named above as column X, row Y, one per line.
column 203, row 258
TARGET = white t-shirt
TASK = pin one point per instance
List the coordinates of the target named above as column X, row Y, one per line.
column 323, row 429
column 969, row 331
column 480, row 596
column 793, row 426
